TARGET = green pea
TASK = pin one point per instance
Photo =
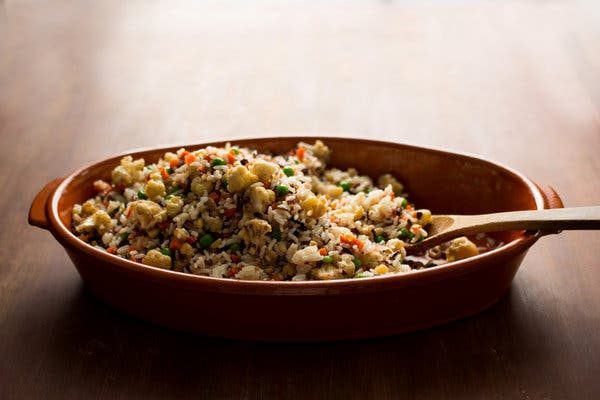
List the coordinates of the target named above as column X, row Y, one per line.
column 234, row 247
column 235, row 151
column 206, row 240
column 327, row 260
column 288, row 171
column 168, row 197
column 124, row 236
column 380, row 239
column 404, row 203
column 218, row 161
column 276, row 235
column 166, row 251
column 142, row 195
column 404, row 233
column 282, row 190
column 170, row 170
column 357, row 262
column 344, row 185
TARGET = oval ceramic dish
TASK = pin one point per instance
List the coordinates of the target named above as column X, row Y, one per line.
column 442, row 181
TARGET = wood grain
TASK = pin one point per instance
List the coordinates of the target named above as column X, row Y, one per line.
column 516, row 81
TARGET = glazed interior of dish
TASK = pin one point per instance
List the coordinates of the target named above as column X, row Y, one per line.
column 470, row 186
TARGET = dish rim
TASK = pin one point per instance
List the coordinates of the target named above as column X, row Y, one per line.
column 180, row 279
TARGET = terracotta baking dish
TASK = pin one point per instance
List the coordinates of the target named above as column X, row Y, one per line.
column 443, row 181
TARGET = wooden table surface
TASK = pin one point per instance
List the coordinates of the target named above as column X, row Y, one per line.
column 515, row 81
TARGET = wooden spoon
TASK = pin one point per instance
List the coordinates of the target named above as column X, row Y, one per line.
column 447, row 227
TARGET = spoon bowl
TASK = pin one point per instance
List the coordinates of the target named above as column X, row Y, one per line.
column 447, row 227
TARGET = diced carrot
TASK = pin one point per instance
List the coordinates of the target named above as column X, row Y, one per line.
column 414, row 214
column 409, row 207
column 231, row 157
column 352, row 241
column 202, row 169
column 175, row 244
column 230, row 212
column 300, row 153
column 346, row 240
column 183, row 154
column 190, row 158
column 323, row 251
column 131, row 248
column 235, row 258
column 192, row 239
column 164, row 173
column 174, row 163
column 233, row 271
column 129, row 211
column 111, row 250
column 214, row 196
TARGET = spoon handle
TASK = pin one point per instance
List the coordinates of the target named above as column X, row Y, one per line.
column 556, row 219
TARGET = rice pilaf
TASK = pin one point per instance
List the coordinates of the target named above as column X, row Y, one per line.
column 230, row 212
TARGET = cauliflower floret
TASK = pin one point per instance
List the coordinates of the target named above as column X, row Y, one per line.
column 101, row 221
column 423, row 217
column 201, row 187
column 174, row 206
column 155, row 189
column 187, row 250
column 250, row 272
column 388, row 179
column 315, row 206
column 396, row 244
column 181, row 234
column 260, row 198
column 254, row 232
column 155, row 258
column 321, row 151
column 239, row 179
column 128, row 172
column 89, row 207
column 327, row 272
column 461, row 248
column 306, row 255
column 214, row 224
column 264, row 170
column 148, row 213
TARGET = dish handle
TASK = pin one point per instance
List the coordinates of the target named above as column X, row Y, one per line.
column 551, row 198
column 37, row 212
